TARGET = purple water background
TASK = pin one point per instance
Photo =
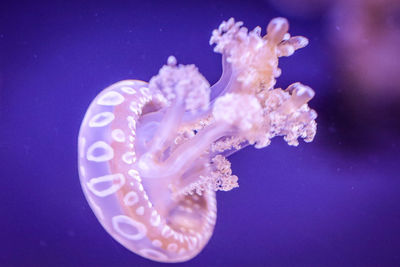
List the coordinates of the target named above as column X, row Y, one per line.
column 333, row 202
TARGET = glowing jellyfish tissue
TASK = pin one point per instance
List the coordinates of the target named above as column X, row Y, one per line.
column 153, row 154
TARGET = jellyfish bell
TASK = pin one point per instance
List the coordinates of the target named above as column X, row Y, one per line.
column 152, row 155
column 139, row 212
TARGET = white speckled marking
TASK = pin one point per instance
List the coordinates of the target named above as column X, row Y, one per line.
column 102, row 119
column 132, row 122
column 145, row 91
column 157, row 243
column 106, row 154
column 155, row 219
column 140, row 211
column 124, row 226
column 166, row 231
column 180, row 237
column 83, row 171
column 82, row 143
column 134, row 174
column 110, row 98
column 153, row 254
column 134, row 106
column 131, row 198
column 172, row 247
column 213, row 215
column 128, row 157
column 118, row 135
column 109, row 184
column 128, row 90
column 182, row 251
column 192, row 242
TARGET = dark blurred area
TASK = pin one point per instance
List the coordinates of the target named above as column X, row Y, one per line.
column 332, row 202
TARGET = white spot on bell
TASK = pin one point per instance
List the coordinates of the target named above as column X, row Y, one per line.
column 128, row 157
column 82, row 144
column 134, row 174
column 140, row 211
column 192, row 242
column 128, row 227
column 131, row 122
column 172, row 247
column 128, row 90
column 110, row 98
column 118, row 135
column 182, row 251
column 157, row 243
column 145, row 91
column 106, row 185
column 155, row 219
column 166, row 231
column 140, row 187
column 106, row 152
column 153, row 254
column 131, row 198
column 102, row 119
column 82, row 170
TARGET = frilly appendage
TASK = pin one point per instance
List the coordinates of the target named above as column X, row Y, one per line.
column 246, row 108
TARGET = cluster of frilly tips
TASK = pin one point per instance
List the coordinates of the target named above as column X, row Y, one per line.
column 245, row 108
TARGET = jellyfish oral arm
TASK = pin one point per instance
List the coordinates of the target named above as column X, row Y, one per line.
column 185, row 155
column 249, row 72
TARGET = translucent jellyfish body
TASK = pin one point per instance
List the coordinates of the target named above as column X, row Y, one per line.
column 152, row 155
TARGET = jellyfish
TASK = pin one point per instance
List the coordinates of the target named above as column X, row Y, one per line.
column 153, row 154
